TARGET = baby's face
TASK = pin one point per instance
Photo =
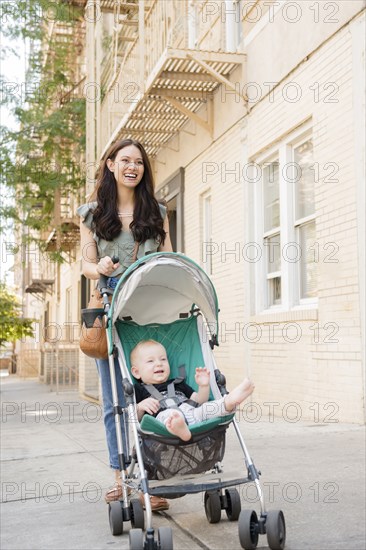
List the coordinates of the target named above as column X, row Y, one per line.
column 151, row 364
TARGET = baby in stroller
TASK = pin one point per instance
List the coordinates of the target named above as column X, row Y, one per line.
column 173, row 402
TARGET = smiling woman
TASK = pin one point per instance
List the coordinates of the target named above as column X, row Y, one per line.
column 122, row 219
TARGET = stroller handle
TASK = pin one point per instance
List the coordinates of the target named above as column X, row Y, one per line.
column 103, row 286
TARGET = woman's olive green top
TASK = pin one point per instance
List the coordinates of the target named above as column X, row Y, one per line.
column 122, row 246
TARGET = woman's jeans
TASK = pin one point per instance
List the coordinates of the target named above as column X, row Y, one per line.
column 109, row 421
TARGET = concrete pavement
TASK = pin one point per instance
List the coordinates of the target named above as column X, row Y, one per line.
column 54, row 472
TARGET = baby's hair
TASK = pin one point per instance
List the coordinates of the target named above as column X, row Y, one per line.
column 141, row 344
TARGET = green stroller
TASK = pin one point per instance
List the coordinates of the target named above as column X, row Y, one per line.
column 168, row 298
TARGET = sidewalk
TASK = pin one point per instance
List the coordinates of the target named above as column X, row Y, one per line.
column 54, row 473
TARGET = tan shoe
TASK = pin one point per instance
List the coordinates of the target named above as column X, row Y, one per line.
column 158, row 504
column 115, row 493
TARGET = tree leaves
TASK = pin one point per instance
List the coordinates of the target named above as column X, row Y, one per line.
column 44, row 155
column 12, row 325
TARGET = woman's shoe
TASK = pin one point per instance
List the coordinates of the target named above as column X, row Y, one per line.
column 115, row 493
column 158, row 504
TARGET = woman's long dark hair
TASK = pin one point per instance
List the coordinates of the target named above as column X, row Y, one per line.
column 147, row 221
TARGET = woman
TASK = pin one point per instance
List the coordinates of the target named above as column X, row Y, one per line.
column 125, row 220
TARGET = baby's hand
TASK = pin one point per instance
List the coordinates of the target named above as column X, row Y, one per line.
column 202, row 376
column 148, row 405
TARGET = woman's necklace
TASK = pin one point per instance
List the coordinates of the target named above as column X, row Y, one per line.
column 125, row 214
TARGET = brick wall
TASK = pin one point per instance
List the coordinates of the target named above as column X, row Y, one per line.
column 306, row 363
column 327, row 369
column 227, row 192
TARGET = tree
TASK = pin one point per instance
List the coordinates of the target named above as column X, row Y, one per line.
column 45, row 154
column 12, row 325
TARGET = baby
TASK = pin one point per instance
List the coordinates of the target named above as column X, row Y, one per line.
column 149, row 363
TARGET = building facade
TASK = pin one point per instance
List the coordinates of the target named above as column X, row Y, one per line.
column 252, row 114
column 52, row 291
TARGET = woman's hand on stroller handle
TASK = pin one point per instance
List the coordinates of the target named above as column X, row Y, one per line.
column 103, row 279
column 107, row 265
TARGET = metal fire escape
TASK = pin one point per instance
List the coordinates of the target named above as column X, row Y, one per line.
column 155, row 76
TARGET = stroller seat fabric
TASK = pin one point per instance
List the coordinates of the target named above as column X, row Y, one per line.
column 165, row 455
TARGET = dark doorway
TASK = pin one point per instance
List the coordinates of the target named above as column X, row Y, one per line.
column 172, row 192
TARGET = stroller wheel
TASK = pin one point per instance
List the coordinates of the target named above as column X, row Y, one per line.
column 116, row 517
column 248, row 529
column 233, row 507
column 165, row 538
column 137, row 514
column 213, row 506
column 276, row 530
column 136, row 539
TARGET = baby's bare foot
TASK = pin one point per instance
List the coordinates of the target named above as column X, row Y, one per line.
column 176, row 425
column 238, row 394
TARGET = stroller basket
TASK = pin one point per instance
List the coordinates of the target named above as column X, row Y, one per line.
column 89, row 316
column 163, row 461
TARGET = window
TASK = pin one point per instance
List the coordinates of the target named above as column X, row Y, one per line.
column 305, row 218
column 84, row 292
column 233, row 12
column 239, row 21
column 207, row 244
column 68, row 323
column 46, row 321
column 286, row 275
column 271, row 236
column 171, row 192
column 193, row 25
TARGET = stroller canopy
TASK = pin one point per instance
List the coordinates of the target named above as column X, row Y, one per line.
column 160, row 287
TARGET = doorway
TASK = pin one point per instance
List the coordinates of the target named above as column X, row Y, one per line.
column 172, row 192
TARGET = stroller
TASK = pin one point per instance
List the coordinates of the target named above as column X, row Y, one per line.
column 168, row 298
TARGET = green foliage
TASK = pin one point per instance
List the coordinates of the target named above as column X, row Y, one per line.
column 12, row 325
column 27, row 18
column 45, row 154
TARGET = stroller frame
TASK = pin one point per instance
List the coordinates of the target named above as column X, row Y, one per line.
column 217, row 493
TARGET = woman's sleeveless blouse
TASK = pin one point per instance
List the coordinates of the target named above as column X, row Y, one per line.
column 123, row 246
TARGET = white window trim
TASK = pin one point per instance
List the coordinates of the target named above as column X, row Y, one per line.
column 204, row 197
column 297, row 223
column 290, row 281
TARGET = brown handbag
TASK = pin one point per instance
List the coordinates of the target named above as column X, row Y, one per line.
column 93, row 336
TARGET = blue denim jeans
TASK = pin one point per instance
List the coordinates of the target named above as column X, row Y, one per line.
column 109, row 421
column 112, row 282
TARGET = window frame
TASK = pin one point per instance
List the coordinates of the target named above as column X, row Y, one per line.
column 290, row 271
column 270, row 233
column 68, row 335
column 206, row 228
column 298, row 223
column 173, row 188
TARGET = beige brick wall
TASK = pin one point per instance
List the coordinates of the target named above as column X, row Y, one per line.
column 227, row 193
column 28, row 362
column 327, row 372
column 311, row 376
column 88, row 377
